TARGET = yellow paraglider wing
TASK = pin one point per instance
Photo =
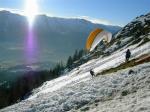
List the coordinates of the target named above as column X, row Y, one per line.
column 91, row 37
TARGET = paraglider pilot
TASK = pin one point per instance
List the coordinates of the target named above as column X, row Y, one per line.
column 128, row 55
column 92, row 73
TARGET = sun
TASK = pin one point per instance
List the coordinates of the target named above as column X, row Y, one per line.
column 31, row 10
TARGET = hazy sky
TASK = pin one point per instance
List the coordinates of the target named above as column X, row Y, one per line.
column 118, row 12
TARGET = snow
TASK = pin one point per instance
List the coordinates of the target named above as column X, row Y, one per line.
column 127, row 39
column 138, row 97
column 104, row 91
column 77, row 90
column 118, row 34
column 59, row 83
column 140, row 19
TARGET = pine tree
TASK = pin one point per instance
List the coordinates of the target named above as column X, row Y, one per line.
column 69, row 62
column 80, row 54
column 75, row 56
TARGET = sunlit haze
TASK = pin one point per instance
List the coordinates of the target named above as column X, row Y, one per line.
column 31, row 10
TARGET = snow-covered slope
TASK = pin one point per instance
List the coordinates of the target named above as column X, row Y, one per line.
column 77, row 90
column 121, row 91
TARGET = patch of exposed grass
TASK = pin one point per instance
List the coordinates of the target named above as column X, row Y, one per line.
column 142, row 59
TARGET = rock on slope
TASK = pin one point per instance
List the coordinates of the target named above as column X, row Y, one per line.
column 124, row 90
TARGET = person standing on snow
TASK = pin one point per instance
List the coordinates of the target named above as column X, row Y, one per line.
column 92, row 73
column 128, row 55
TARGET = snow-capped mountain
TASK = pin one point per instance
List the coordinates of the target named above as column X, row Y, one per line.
column 56, row 38
column 125, row 89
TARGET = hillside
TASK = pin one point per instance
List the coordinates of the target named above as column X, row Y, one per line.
column 124, row 89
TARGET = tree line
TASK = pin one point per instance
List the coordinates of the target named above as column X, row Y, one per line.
column 77, row 56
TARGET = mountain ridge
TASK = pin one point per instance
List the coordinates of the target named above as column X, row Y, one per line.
column 57, row 38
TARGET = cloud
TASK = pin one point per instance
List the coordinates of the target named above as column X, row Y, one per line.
column 96, row 20
column 17, row 11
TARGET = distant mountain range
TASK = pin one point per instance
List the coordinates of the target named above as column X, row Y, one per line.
column 55, row 38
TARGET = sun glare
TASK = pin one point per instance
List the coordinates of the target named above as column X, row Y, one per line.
column 31, row 10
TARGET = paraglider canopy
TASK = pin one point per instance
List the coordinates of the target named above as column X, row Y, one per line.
column 96, row 37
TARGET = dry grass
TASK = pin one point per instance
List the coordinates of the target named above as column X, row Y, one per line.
column 142, row 59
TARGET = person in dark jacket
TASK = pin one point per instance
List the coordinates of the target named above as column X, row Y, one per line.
column 92, row 73
column 128, row 55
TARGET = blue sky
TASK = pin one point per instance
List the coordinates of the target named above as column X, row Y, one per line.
column 118, row 12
